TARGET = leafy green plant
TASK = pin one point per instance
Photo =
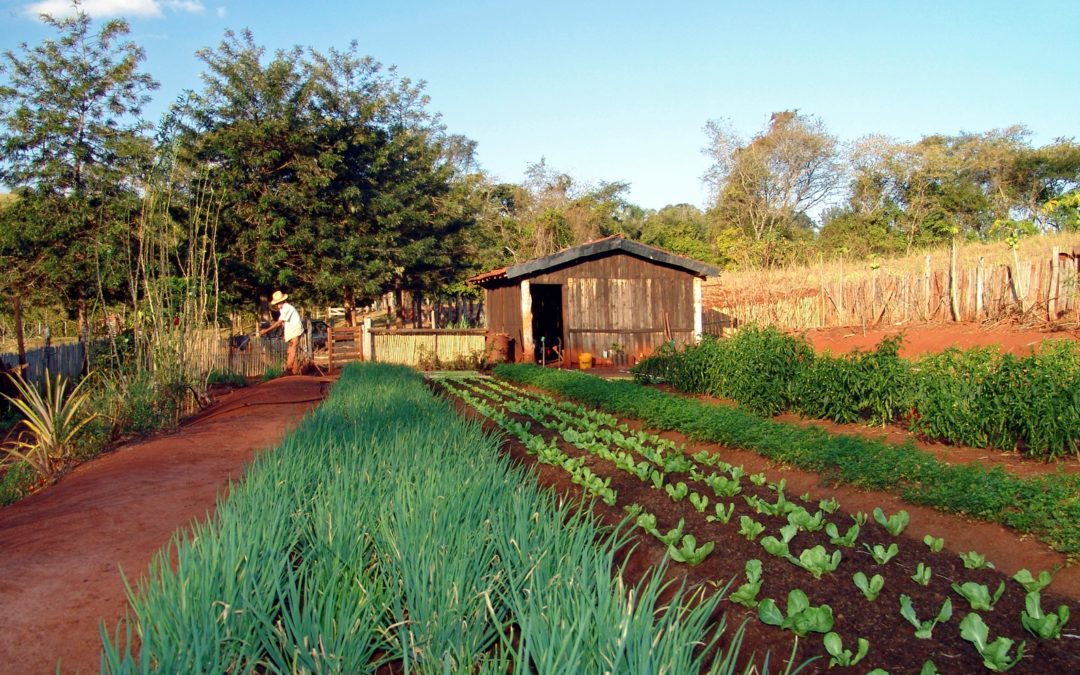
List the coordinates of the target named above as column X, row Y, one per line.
column 922, row 575
column 722, row 486
column 699, row 501
column 647, row 522
column 746, row 594
column 673, row 535
column 829, row 505
column 860, row 518
column 677, row 492
column 894, row 524
column 689, row 552
column 758, row 479
column 1045, row 626
column 978, row 595
column 801, row 518
column 870, row 587
column 1030, row 583
column 995, row 654
column 779, row 547
column 847, row 539
column 934, row 543
column 722, row 514
column 800, row 617
column 817, row 561
column 881, row 554
column 18, row 481
column 53, row 419
column 657, row 479
column 838, row 656
column 974, row 560
column 924, row 630
column 750, row 528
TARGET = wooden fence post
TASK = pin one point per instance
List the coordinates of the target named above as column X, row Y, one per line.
column 927, row 271
column 1052, row 293
column 980, row 283
column 367, row 341
column 954, row 300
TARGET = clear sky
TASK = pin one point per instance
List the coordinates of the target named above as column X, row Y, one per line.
column 621, row 90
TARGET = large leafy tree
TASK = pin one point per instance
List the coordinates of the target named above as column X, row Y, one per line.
column 766, row 187
column 73, row 148
column 338, row 178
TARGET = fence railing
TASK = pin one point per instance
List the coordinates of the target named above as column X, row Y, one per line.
column 65, row 359
column 1046, row 290
column 203, row 354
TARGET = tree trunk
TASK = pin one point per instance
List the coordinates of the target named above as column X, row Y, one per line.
column 349, row 302
column 84, row 331
column 16, row 307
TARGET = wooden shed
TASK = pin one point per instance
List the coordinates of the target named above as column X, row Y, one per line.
column 612, row 294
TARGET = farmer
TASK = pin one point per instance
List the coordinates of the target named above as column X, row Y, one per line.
column 294, row 328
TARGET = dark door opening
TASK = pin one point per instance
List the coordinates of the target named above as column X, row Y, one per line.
column 547, row 322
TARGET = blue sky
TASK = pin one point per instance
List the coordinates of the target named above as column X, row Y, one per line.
column 621, row 91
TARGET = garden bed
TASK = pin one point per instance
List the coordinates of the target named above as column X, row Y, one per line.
column 891, row 639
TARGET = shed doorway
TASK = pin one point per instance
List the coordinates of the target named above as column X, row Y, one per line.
column 547, row 322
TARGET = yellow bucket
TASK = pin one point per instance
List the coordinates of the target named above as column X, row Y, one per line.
column 584, row 361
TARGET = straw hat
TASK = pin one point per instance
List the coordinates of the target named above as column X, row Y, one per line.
column 278, row 298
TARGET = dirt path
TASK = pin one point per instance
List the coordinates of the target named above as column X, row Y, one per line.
column 61, row 550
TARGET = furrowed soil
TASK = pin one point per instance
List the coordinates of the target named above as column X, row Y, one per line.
column 892, row 642
column 62, row 550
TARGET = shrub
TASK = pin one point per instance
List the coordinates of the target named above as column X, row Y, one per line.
column 53, row 419
column 975, row 397
column 17, row 482
column 226, row 377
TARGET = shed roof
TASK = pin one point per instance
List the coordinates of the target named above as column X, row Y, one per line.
column 615, row 242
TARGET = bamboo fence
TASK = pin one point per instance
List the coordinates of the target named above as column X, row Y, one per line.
column 427, row 348
column 1045, row 291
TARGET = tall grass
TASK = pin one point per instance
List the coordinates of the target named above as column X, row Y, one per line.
column 387, row 530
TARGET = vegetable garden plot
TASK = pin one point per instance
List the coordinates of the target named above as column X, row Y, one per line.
column 802, row 564
column 387, row 533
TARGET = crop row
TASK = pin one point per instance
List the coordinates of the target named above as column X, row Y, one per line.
column 708, row 486
column 1046, row 506
column 977, row 397
column 387, row 532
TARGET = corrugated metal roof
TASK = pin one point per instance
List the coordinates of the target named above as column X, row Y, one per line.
column 615, row 242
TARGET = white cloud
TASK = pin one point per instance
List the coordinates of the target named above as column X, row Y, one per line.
column 109, row 8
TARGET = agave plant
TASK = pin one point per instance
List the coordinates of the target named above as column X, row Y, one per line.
column 53, row 419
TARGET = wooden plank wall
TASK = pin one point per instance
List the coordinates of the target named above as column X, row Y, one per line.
column 503, row 307
column 623, row 299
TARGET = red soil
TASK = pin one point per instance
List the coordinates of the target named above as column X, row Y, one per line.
column 62, row 550
column 931, row 338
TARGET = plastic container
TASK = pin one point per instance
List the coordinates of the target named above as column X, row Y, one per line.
column 585, row 361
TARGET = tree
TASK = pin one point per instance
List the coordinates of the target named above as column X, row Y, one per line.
column 74, row 148
column 682, row 229
column 764, row 189
column 339, row 178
